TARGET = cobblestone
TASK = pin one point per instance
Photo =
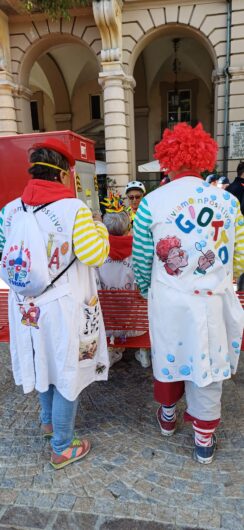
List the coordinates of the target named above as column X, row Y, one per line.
column 133, row 479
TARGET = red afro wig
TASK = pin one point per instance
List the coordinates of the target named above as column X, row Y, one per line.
column 185, row 146
column 165, row 245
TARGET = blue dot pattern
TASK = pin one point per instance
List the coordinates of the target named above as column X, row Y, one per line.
column 170, row 358
column 185, row 370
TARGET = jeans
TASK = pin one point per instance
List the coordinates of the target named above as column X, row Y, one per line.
column 61, row 413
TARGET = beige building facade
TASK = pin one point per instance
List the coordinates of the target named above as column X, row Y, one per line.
column 122, row 71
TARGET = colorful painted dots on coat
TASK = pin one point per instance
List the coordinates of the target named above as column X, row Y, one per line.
column 185, row 370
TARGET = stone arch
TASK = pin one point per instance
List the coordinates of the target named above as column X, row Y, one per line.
column 39, row 47
column 141, row 27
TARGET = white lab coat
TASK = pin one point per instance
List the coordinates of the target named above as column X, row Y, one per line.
column 196, row 320
column 66, row 344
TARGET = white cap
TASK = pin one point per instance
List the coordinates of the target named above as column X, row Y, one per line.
column 135, row 185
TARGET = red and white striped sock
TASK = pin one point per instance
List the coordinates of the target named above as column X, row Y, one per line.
column 203, row 437
column 168, row 413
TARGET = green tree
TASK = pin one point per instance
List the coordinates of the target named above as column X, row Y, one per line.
column 55, row 9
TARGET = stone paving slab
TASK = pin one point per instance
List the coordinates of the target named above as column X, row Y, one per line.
column 133, row 478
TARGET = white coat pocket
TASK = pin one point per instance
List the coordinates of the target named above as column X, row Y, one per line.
column 89, row 332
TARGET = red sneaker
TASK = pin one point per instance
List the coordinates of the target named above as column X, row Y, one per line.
column 167, row 428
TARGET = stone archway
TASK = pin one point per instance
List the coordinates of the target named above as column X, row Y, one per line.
column 142, row 27
column 37, row 44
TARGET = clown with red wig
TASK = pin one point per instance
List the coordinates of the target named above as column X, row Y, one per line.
column 187, row 246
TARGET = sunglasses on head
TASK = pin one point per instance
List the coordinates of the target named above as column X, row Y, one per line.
column 132, row 197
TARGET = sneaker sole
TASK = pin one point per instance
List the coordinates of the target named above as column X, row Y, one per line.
column 71, row 460
column 201, row 460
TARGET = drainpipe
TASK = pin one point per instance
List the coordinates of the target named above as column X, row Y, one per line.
column 227, row 85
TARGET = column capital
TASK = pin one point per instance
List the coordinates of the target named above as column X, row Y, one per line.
column 116, row 77
column 23, row 92
column 108, row 18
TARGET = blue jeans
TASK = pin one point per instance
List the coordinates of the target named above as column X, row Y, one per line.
column 61, row 413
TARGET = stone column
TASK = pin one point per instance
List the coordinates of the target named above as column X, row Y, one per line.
column 7, row 108
column 116, row 128
column 117, row 92
column 23, row 109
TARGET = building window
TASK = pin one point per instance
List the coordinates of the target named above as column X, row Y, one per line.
column 95, row 106
column 179, row 107
column 34, row 115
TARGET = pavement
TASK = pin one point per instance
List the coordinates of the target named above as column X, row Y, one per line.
column 133, row 478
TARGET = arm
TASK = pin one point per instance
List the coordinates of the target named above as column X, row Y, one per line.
column 2, row 238
column 90, row 239
column 143, row 248
column 238, row 262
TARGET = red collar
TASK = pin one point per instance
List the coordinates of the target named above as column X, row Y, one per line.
column 188, row 173
column 38, row 191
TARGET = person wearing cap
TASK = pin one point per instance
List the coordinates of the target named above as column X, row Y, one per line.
column 183, row 257
column 135, row 191
column 66, row 349
column 212, row 179
column 223, row 182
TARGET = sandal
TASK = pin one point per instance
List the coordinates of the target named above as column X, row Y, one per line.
column 47, row 430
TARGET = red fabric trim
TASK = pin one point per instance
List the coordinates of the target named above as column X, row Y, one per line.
column 40, row 191
column 168, row 393
column 188, row 173
column 120, row 247
column 202, row 424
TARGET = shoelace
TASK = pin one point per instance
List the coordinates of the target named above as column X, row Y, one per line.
column 76, row 442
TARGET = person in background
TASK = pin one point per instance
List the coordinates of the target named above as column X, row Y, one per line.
column 237, row 187
column 116, row 272
column 134, row 191
column 223, row 182
column 185, row 245
column 212, row 179
column 57, row 340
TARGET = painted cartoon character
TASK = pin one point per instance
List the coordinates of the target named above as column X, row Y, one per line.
column 18, row 267
column 30, row 317
column 88, row 350
column 170, row 252
column 206, row 260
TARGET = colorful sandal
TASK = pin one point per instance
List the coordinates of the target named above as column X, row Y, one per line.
column 77, row 450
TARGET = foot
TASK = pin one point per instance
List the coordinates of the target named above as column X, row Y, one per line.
column 205, row 455
column 77, row 450
column 143, row 357
column 167, row 428
column 115, row 356
column 47, row 430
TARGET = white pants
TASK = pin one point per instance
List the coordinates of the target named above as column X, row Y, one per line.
column 204, row 403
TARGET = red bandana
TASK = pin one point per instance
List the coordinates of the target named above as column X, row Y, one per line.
column 120, row 247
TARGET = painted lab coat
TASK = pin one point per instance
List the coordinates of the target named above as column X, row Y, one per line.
column 59, row 340
column 196, row 320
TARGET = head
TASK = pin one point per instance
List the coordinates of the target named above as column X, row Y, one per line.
column 223, row 182
column 118, row 224
column 186, row 148
column 240, row 170
column 135, row 191
column 51, row 161
column 212, row 179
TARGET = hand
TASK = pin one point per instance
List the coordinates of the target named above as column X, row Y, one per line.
column 207, row 260
column 97, row 217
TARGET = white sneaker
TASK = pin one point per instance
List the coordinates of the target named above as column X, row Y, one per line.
column 115, row 355
column 143, row 357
